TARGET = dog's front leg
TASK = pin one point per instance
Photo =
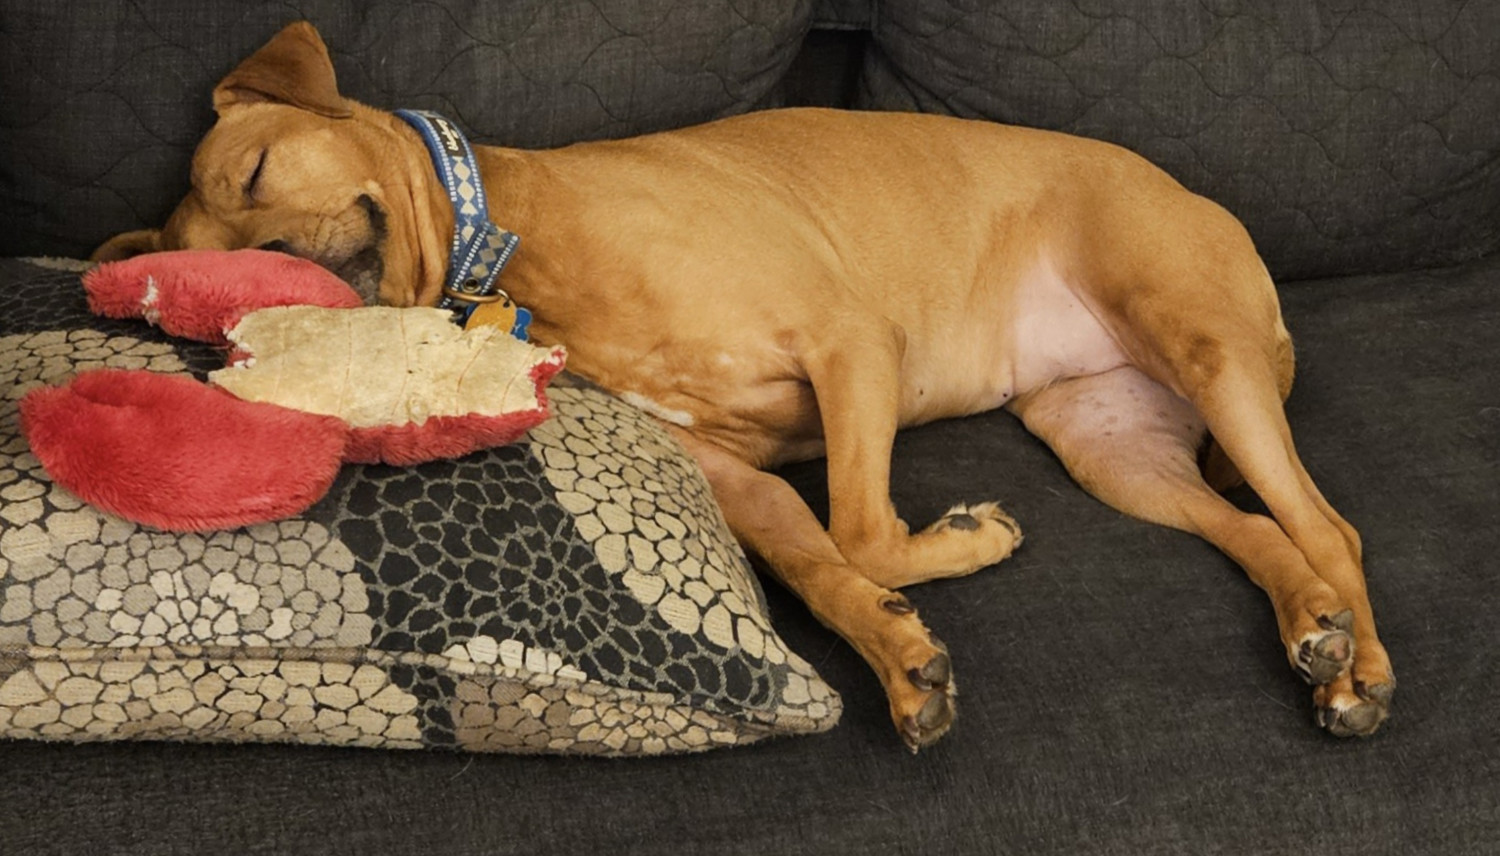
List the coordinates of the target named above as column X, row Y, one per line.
column 771, row 520
column 855, row 371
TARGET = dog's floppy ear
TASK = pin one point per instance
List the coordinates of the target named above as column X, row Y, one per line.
column 127, row 245
column 292, row 68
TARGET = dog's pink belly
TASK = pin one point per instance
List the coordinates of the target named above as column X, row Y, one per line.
column 1032, row 333
column 1057, row 334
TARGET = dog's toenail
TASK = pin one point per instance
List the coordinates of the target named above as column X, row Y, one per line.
column 1361, row 690
column 917, row 680
column 1304, row 653
column 1304, row 674
column 966, row 522
column 898, row 605
column 911, row 733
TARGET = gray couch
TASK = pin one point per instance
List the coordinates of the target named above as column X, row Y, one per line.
column 1123, row 689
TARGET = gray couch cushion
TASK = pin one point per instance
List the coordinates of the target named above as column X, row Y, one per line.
column 104, row 102
column 1349, row 135
column 1123, row 689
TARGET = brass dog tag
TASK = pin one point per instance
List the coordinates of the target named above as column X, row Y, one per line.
column 501, row 313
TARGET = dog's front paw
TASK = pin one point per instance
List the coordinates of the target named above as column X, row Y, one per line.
column 965, row 539
column 978, row 535
column 926, row 715
column 973, row 518
column 919, row 681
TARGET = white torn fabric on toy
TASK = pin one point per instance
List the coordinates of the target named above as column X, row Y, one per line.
column 380, row 366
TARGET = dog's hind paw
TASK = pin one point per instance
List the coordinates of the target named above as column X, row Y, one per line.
column 1350, row 708
column 1326, row 653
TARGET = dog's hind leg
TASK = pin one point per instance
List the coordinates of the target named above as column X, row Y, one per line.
column 854, row 368
column 1134, row 444
column 1241, row 406
column 771, row 520
column 1190, row 300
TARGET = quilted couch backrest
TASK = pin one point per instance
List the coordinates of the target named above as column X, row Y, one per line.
column 104, row 102
column 1349, row 135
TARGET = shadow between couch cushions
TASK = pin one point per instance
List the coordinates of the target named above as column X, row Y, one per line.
column 1123, row 691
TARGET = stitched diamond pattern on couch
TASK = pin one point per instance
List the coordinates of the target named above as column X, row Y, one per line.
column 1349, row 135
column 575, row 592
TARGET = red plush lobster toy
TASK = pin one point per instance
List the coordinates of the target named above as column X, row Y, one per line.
column 314, row 380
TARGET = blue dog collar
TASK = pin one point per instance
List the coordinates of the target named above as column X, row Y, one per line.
column 480, row 249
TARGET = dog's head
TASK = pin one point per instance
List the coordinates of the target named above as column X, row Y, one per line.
column 294, row 166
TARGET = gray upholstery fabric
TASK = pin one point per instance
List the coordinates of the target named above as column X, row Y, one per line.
column 104, row 102
column 1123, row 690
column 1348, row 135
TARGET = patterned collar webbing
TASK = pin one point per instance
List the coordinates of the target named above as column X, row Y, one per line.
column 480, row 249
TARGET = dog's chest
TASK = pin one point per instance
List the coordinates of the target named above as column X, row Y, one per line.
column 746, row 396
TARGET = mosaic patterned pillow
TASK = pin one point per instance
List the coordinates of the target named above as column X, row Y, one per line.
column 576, row 592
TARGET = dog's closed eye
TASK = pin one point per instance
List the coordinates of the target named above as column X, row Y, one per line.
column 254, row 179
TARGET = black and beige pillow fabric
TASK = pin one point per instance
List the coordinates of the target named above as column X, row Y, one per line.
column 575, row 592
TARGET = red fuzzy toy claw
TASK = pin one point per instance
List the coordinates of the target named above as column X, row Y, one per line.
column 201, row 294
column 173, row 453
column 170, row 452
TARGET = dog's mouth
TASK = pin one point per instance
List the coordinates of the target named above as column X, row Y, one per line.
column 363, row 267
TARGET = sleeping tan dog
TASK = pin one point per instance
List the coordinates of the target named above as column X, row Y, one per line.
column 790, row 284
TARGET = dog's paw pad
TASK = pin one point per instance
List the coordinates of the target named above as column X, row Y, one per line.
column 1343, row 620
column 931, row 711
column 971, row 521
column 970, row 518
column 1358, row 719
column 929, row 723
column 962, row 521
column 1380, row 694
column 1326, row 653
column 1351, row 708
column 935, row 673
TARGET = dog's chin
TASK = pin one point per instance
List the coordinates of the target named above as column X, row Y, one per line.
column 364, row 267
column 363, row 271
